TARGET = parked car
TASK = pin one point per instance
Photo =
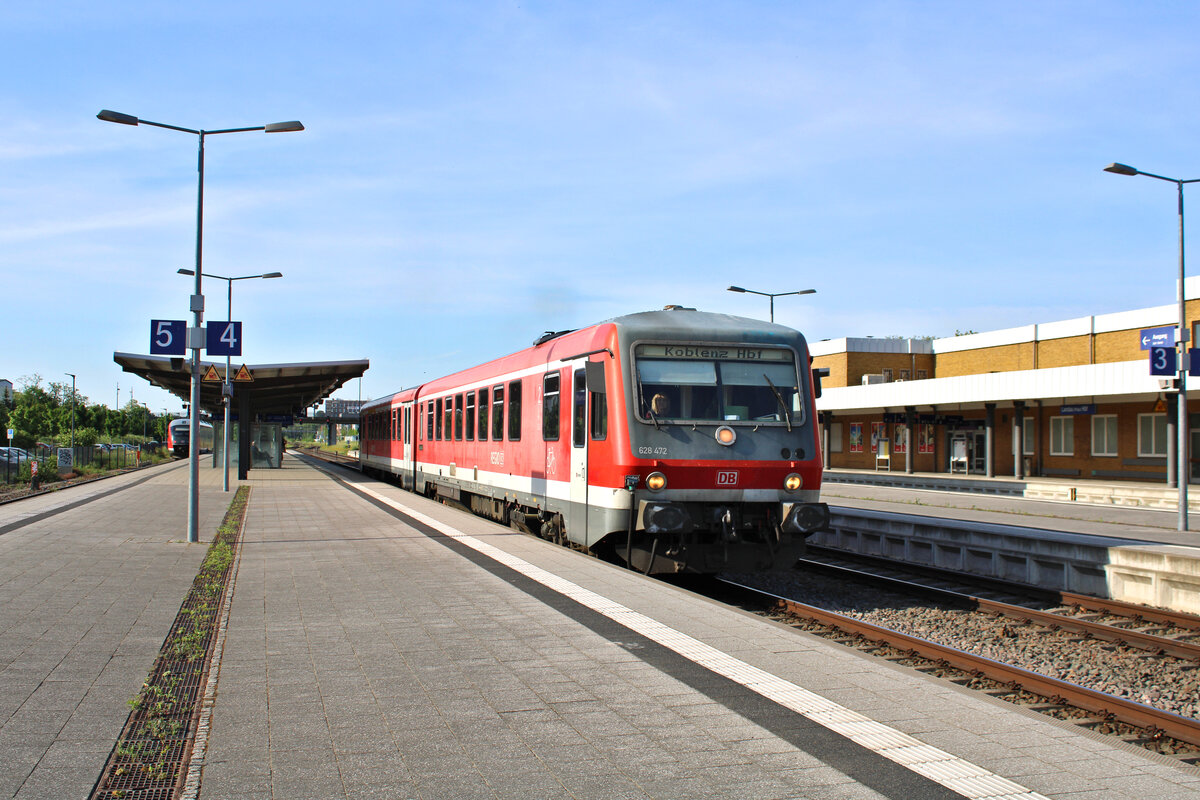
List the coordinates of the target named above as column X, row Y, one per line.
column 14, row 455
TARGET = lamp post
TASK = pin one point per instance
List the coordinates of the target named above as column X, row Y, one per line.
column 771, row 295
column 227, row 393
column 72, row 374
column 196, row 334
column 1181, row 449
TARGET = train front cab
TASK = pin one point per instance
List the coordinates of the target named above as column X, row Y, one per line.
column 725, row 466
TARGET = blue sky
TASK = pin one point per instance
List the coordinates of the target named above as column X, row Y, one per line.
column 473, row 174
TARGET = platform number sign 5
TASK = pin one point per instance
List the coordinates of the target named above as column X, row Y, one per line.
column 1162, row 361
column 168, row 337
column 223, row 339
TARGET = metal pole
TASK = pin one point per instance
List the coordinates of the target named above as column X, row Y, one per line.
column 228, row 395
column 772, row 307
column 197, row 303
column 1182, row 448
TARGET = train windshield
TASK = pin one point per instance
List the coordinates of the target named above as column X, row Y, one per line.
column 717, row 383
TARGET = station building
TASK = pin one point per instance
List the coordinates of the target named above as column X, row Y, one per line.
column 1076, row 394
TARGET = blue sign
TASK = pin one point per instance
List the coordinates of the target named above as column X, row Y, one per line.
column 1163, row 361
column 1089, row 408
column 168, row 337
column 1158, row 337
column 223, row 339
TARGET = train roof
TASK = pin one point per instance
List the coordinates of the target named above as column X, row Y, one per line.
column 673, row 322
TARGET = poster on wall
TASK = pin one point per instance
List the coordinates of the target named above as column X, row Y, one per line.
column 856, row 438
column 876, row 434
column 925, row 438
column 901, row 439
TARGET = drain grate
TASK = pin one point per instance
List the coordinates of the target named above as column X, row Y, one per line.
column 149, row 759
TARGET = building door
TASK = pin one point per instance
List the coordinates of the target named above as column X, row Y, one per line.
column 979, row 452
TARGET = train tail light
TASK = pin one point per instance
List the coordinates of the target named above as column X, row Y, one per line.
column 793, row 482
column 726, row 435
column 656, row 481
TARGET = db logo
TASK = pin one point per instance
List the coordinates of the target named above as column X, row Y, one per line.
column 727, row 479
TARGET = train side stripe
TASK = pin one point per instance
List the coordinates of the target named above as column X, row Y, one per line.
column 957, row 774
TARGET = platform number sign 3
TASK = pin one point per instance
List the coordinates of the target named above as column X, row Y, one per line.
column 1162, row 361
column 168, row 337
column 224, row 339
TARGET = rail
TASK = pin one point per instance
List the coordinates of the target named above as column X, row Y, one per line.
column 1127, row 711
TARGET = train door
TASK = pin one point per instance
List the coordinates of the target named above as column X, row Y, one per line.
column 406, row 436
column 577, row 517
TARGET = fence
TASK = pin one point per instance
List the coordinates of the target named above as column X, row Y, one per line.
column 98, row 457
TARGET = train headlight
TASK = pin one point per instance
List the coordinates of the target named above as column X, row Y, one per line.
column 656, row 481
column 793, row 482
column 726, row 435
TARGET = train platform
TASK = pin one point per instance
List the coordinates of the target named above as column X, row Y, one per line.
column 382, row 645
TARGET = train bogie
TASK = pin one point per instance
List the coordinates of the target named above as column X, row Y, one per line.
column 674, row 440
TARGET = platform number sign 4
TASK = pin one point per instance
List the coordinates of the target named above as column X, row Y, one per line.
column 224, row 339
column 1162, row 361
column 168, row 337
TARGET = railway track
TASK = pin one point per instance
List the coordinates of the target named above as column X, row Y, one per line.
column 1160, row 730
column 1154, row 630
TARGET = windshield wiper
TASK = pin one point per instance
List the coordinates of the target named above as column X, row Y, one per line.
column 654, row 419
column 786, row 416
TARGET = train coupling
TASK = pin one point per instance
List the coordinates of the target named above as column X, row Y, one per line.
column 805, row 518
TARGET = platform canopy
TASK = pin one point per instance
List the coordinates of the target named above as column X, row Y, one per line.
column 276, row 389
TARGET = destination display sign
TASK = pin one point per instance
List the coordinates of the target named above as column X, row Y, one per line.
column 712, row 352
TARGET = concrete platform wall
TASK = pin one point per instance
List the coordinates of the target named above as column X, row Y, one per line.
column 1166, row 576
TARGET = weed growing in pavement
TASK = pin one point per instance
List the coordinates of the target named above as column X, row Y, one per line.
column 151, row 748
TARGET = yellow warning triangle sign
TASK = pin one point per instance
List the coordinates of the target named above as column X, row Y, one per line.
column 243, row 374
column 210, row 374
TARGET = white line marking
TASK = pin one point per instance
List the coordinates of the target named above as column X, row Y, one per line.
column 956, row 774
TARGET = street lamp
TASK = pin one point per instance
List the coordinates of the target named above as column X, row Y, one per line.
column 196, row 334
column 1181, row 340
column 227, row 386
column 72, row 374
column 771, row 295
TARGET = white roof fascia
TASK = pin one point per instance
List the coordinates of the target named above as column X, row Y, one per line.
column 1123, row 379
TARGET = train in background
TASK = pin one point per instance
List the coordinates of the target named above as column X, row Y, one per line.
column 674, row 440
column 179, row 436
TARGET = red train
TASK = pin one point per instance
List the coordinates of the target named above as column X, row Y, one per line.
column 676, row 440
column 179, row 434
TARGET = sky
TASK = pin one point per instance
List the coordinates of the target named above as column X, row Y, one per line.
column 475, row 173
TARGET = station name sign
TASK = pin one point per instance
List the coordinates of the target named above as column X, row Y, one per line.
column 710, row 352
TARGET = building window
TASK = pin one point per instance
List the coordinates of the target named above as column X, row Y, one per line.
column 1030, row 436
column 550, row 422
column 1104, row 435
column 922, row 374
column 1062, row 436
column 904, row 374
column 1152, row 435
column 835, row 437
column 887, row 374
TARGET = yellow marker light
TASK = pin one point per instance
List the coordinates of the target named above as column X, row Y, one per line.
column 726, row 435
column 793, row 482
column 656, row 481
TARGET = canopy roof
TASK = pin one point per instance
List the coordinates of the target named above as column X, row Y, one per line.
column 275, row 388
